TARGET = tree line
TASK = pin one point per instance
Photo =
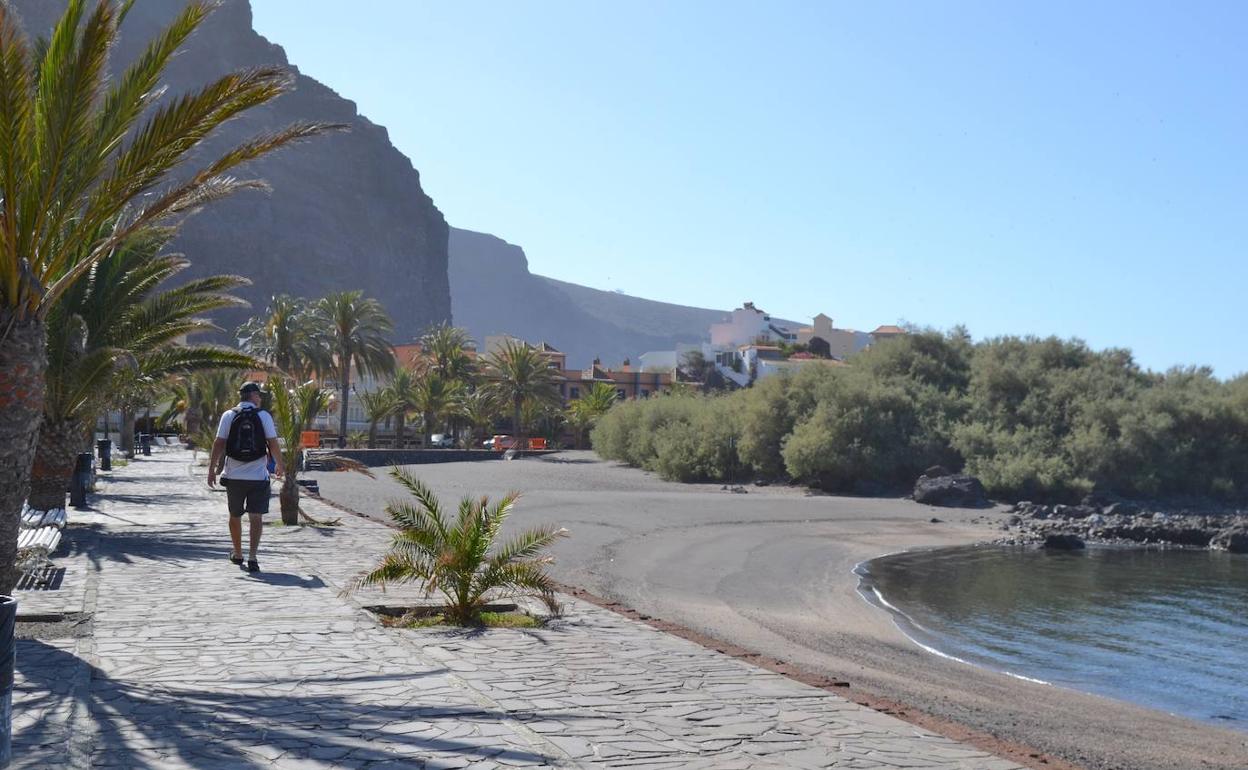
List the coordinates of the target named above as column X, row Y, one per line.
column 1041, row 419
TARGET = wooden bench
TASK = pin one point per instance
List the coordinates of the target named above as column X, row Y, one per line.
column 32, row 519
column 35, row 546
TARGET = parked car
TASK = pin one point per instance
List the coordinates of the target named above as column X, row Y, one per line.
column 441, row 441
column 500, row 443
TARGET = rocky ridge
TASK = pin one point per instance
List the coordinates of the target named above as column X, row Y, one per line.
column 493, row 292
column 1126, row 523
column 347, row 211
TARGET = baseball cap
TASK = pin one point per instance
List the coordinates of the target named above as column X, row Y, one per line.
column 250, row 387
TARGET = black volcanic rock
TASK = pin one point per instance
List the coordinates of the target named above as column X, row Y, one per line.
column 493, row 292
column 346, row 212
column 1064, row 543
column 1234, row 540
column 957, row 490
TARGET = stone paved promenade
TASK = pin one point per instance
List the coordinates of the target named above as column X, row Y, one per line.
column 192, row 663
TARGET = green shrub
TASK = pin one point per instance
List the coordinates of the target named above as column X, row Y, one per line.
column 701, row 445
column 768, row 412
column 868, row 434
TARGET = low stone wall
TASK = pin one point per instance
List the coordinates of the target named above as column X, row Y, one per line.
column 375, row 458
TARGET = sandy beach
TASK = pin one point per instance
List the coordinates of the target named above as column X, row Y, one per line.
column 771, row 570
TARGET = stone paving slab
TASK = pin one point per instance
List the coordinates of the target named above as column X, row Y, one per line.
column 193, row 663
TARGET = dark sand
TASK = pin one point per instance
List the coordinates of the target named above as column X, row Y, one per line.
column 771, row 571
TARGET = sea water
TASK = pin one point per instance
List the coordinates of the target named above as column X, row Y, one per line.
column 1166, row 629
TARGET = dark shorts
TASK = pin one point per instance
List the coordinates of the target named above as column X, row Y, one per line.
column 246, row 496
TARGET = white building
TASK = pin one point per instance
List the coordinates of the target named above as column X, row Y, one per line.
column 748, row 325
column 745, row 346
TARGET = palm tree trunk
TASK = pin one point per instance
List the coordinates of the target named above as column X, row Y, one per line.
column 55, row 454
column 288, row 498
column 345, row 379
column 127, row 432
column 428, row 418
column 372, row 434
column 190, row 419
column 23, row 361
column 515, row 414
column 400, row 422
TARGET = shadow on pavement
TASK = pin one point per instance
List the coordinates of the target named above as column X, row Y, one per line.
column 246, row 728
column 286, row 579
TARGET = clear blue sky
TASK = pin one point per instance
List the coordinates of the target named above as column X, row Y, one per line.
column 1078, row 169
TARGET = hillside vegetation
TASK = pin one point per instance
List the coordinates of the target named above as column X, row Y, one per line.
column 1043, row 419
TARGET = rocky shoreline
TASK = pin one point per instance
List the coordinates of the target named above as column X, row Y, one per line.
column 1124, row 523
column 1097, row 519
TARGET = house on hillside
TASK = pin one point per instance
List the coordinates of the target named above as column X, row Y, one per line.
column 556, row 359
column 886, row 332
column 627, row 380
column 750, row 344
column 749, row 324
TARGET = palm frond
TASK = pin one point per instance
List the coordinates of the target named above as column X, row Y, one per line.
column 392, row 569
column 336, row 463
column 527, row 545
column 423, row 494
column 16, row 143
column 267, row 143
column 180, row 359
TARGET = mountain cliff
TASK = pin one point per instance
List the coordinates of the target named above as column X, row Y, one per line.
column 347, row 211
column 493, row 292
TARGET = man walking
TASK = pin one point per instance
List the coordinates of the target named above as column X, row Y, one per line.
column 246, row 438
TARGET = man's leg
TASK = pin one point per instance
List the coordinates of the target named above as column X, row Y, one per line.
column 235, row 502
column 236, row 535
column 257, row 526
column 257, row 507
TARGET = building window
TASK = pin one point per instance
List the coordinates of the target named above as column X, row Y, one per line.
column 576, row 392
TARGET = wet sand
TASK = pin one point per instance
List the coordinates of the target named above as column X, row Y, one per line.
column 770, row 571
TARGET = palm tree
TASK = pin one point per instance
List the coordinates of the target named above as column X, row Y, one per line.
column 519, row 373
column 401, row 392
column 293, row 411
column 584, row 412
column 459, row 556
column 76, row 153
column 191, row 398
column 285, row 336
column 356, row 330
column 445, row 349
column 445, row 352
column 480, row 410
column 198, row 401
column 378, row 405
column 114, row 333
column 542, row 418
column 437, row 399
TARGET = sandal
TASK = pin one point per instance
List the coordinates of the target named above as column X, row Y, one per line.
column 253, row 565
column 236, row 560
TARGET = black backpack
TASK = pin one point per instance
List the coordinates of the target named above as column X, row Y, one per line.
column 246, row 442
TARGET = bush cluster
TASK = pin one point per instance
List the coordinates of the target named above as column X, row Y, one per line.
column 1045, row 419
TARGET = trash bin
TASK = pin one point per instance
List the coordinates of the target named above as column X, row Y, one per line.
column 80, row 481
column 145, row 441
column 105, row 449
column 8, row 656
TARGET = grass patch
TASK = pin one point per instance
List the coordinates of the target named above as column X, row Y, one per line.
column 514, row 619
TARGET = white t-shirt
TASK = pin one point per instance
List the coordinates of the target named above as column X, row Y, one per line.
column 256, row 470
